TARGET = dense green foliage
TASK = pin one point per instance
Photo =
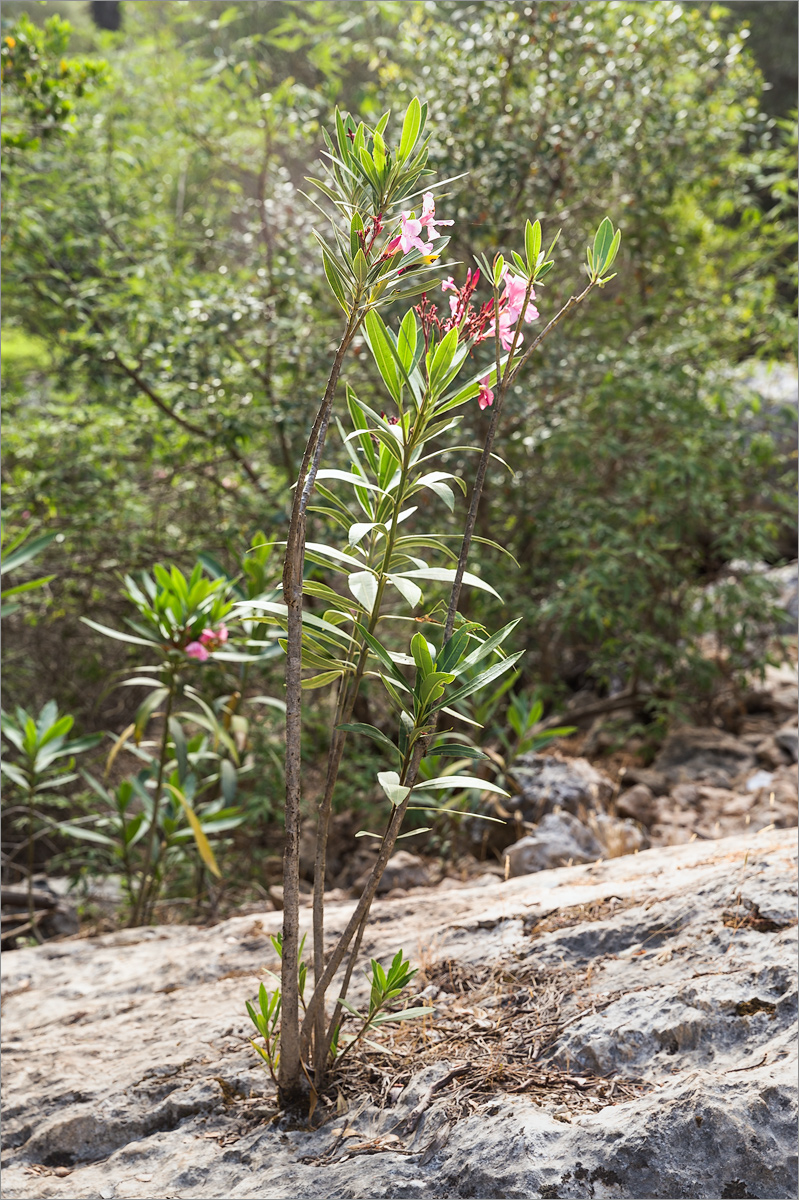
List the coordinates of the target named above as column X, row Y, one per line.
column 168, row 326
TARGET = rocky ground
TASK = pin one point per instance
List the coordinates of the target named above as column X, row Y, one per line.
column 624, row 1028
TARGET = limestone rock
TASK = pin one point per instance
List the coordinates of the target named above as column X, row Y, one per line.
column 704, row 754
column 549, row 782
column 404, row 870
column 787, row 738
column 638, row 803
column 618, row 837
column 676, row 971
column 559, row 838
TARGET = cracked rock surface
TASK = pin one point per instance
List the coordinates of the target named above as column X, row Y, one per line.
column 127, row 1071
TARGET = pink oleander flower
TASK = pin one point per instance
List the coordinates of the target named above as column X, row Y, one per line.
column 507, row 328
column 411, row 229
column 197, row 650
column 485, row 396
column 449, row 285
column 515, row 290
column 511, row 303
column 428, row 219
column 214, row 637
column 409, row 237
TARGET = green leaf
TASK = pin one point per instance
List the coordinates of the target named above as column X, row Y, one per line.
column 337, row 280
column 459, row 781
column 407, row 1014
column 369, row 731
column 322, row 680
column 390, row 783
column 447, row 575
column 411, row 128
column 181, row 753
column 120, row 637
column 421, row 655
column 485, row 678
column 453, row 750
column 407, row 588
column 378, row 341
column 203, row 845
column 381, row 653
column 487, row 647
column 602, row 243
column 228, row 780
column 442, row 360
column 146, row 710
column 15, row 557
column 347, row 477
column 532, row 244
column 407, row 339
column 363, row 585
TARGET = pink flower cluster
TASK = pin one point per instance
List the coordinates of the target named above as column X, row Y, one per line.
column 510, row 309
column 209, row 639
column 409, row 238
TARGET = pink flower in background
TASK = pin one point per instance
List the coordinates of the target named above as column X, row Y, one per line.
column 449, row 285
column 197, row 650
column 485, row 396
column 214, row 637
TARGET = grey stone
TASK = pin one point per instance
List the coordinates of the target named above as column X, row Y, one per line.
column 404, row 870
column 703, row 754
column 559, row 838
column 787, row 738
column 548, row 782
column 656, row 781
column 688, row 1008
column 617, row 837
column 638, row 803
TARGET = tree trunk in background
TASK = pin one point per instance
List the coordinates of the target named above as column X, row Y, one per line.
column 107, row 14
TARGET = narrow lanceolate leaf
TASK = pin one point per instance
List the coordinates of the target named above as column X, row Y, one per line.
column 460, row 782
column 336, row 280
column 120, row 637
column 485, row 678
column 453, row 750
column 369, row 731
column 532, row 244
column 407, row 588
column 602, row 243
column 390, row 783
column 15, row 556
column 347, row 477
column 359, row 530
column 411, row 128
column 447, row 575
column 378, row 340
column 442, row 359
column 406, row 340
column 363, row 585
column 381, row 653
column 203, row 845
column 487, row 647
column 321, row 680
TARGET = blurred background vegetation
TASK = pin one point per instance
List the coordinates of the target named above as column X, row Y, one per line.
column 167, row 326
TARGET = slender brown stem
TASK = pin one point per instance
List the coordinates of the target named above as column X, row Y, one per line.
column 345, row 706
column 290, row 1063
column 147, row 890
column 31, row 863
